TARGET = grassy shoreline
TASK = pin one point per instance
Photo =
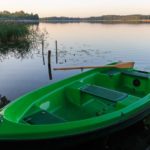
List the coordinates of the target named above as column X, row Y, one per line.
column 12, row 32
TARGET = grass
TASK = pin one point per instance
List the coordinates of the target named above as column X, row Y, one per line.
column 10, row 33
column 14, row 38
column 19, row 39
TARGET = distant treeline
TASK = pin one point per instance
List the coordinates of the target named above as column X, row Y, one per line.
column 18, row 15
column 61, row 19
column 118, row 18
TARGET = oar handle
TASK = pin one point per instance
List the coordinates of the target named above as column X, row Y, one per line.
column 82, row 67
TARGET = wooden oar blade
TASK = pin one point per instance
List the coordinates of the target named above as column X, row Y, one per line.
column 125, row 65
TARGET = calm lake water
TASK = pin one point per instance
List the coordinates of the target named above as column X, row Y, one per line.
column 78, row 44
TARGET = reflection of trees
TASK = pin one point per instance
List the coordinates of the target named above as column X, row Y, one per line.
column 18, row 50
column 24, row 45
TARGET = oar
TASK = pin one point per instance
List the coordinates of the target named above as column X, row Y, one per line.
column 118, row 65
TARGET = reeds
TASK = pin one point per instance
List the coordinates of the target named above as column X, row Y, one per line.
column 10, row 33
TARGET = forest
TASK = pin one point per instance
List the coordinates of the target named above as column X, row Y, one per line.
column 18, row 15
column 118, row 18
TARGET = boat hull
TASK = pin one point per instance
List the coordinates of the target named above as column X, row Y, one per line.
column 90, row 105
column 99, row 136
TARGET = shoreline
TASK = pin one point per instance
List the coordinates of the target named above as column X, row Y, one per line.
column 95, row 21
column 74, row 21
column 19, row 21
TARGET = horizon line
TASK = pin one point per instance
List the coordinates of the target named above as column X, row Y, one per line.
column 96, row 16
column 77, row 16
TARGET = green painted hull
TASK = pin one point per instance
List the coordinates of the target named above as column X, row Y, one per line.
column 95, row 100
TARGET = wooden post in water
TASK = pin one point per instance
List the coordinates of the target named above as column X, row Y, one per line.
column 49, row 57
column 42, row 44
column 49, row 65
column 43, row 52
column 56, row 45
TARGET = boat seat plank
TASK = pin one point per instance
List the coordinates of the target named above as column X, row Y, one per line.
column 42, row 117
column 137, row 74
column 105, row 93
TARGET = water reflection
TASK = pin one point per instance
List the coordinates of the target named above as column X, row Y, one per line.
column 43, row 55
column 18, row 50
column 25, row 67
column 21, row 41
column 56, row 45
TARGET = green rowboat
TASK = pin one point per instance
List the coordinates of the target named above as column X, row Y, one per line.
column 96, row 101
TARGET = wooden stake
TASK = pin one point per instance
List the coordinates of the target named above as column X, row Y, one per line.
column 49, row 65
column 56, row 51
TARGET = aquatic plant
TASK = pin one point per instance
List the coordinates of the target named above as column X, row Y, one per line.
column 20, row 40
column 10, row 33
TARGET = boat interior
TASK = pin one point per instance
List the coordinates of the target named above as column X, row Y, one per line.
column 92, row 95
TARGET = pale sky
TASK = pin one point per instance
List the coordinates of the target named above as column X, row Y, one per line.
column 77, row 8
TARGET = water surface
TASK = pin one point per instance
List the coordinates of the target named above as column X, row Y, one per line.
column 78, row 44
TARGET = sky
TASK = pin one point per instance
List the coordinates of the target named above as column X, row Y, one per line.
column 77, row 8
